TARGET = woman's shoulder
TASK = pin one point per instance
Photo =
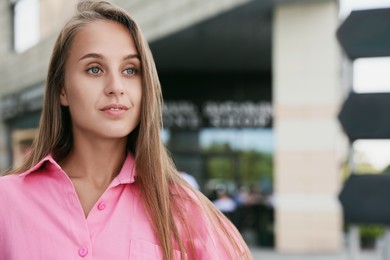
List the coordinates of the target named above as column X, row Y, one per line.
column 186, row 196
column 18, row 182
column 10, row 183
column 10, row 188
column 214, row 235
column 9, row 180
column 192, row 204
column 14, row 180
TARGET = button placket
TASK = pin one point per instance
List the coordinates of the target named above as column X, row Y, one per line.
column 72, row 199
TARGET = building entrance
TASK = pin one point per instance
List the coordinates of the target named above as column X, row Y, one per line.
column 234, row 169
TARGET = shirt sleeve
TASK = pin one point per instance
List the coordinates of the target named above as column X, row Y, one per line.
column 5, row 217
column 210, row 241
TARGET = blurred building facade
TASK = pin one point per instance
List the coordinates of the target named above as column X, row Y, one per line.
column 243, row 69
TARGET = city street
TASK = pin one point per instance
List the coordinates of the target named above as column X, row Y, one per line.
column 268, row 254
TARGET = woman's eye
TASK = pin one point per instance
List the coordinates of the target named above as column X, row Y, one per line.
column 130, row 71
column 94, row 70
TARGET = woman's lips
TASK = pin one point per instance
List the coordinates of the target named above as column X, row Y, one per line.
column 114, row 109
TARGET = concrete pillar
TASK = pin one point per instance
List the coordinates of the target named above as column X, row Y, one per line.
column 5, row 46
column 307, row 94
column 4, row 149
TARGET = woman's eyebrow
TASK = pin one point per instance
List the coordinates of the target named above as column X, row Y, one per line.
column 100, row 57
column 92, row 55
column 131, row 56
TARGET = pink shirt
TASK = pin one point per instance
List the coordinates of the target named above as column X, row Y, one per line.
column 41, row 218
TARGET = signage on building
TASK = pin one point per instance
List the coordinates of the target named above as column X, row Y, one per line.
column 364, row 198
column 17, row 104
column 365, row 116
column 186, row 114
column 364, row 33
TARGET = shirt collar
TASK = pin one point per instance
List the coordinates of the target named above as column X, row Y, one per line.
column 52, row 164
column 126, row 175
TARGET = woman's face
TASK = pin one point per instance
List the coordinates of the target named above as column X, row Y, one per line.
column 103, row 86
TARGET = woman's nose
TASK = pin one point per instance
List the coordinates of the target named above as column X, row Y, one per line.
column 114, row 85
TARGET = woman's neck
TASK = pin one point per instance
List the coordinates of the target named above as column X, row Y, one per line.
column 91, row 166
column 96, row 162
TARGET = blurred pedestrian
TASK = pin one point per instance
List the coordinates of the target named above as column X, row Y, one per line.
column 98, row 182
column 226, row 204
column 190, row 180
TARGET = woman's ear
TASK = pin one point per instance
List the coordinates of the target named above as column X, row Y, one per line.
column 64, row 98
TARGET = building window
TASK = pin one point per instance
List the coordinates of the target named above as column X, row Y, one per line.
column 26, row 24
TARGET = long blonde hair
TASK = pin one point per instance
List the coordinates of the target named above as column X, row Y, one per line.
column 160, row 185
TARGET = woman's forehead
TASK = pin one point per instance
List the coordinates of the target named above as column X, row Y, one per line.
column 104, row 37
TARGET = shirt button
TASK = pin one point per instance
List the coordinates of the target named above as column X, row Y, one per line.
column 83, row 251
column 101, row 205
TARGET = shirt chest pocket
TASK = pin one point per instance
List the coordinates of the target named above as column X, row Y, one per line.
column 144, row 250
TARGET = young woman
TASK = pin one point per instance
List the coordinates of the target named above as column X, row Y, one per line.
column 99, row 183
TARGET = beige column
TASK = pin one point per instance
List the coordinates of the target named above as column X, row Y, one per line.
column 5, row 46
column 310, row 147
column 4, row 154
